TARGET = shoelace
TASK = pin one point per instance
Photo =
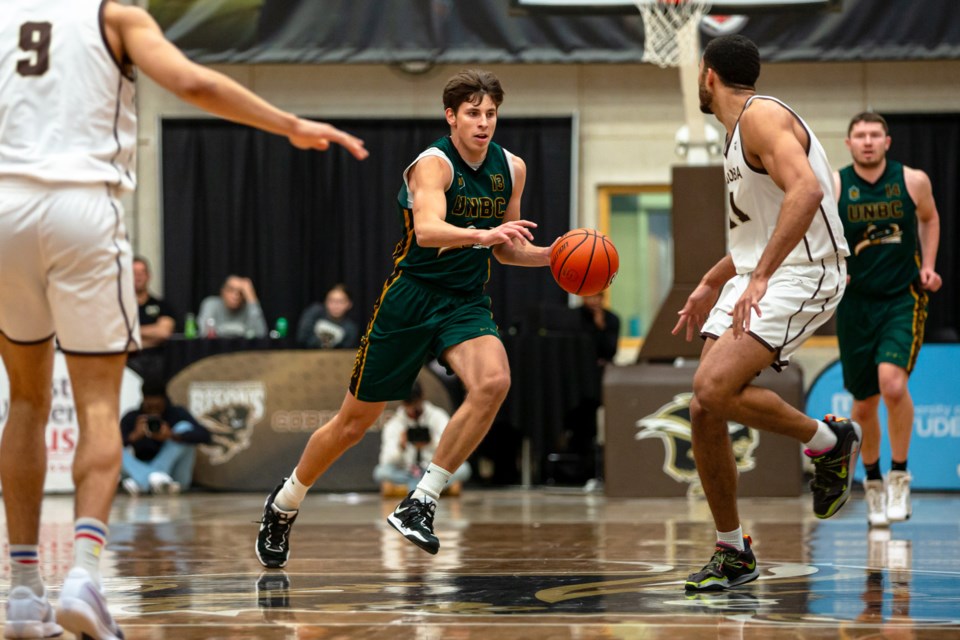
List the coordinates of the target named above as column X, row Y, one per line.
column 277, row 526
column 820, row 481
column 420, row 512
column 896, row 489
column 723, row 557
column 875, row 500
column 824, row 467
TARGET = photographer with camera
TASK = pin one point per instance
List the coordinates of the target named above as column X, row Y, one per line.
column 159, row 439
column 407, row 444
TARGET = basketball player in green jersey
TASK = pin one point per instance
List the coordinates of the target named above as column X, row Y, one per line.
column 459, row 204
column 891, row 224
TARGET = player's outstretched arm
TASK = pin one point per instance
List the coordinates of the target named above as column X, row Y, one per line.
column 135, row 33
column 704, row 296
column 512, row 246
column 427, row 181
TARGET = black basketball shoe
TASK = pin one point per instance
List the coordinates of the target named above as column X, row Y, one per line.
column 414, row 519
column 834, row 469
column 273, row 541
column 727, row 568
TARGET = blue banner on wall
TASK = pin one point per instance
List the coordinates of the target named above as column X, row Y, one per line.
column 935, row 444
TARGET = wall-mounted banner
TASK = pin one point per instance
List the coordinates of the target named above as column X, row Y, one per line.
column 261, row 408
column 935, row 444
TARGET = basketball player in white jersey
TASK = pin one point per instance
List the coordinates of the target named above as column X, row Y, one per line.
column 67, row 142
column 783, row 277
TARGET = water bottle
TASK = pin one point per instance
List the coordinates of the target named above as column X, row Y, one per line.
column 190, row 326
column 210, row 328
column 281, row 328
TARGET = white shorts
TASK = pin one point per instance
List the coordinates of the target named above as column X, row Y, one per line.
column 65, row 268
column 799, row 299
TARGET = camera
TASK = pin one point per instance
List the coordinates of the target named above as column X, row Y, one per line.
column 418, row 434
column 154, row 424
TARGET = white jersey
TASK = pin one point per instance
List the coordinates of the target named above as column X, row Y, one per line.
column 67, row 111
column 755, row 201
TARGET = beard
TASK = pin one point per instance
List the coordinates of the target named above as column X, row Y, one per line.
column 873, row 163
column 705, row 99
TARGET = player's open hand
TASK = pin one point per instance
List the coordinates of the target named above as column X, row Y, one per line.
column 516, row 233
column 748, row 303
column 318, row 135
column 694, row 312
column 930, row 280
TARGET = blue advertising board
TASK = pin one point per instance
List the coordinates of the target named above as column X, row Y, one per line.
column 935, row 387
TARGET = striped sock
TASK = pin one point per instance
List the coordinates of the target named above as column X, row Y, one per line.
column 25, row 567
column 89, row 539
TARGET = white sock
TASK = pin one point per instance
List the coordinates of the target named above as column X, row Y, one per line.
column 292, row 494
column 25, row 567
column 89, row 539
column 432, row 483
column 733, row 538
column 822, row 441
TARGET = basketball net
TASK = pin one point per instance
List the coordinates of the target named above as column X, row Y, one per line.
column 671, row 38
column 671, row 30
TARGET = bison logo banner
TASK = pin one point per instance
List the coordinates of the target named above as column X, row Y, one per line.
column 671, row 424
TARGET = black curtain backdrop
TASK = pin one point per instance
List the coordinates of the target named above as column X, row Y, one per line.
column 931, row 142
column 236, row 200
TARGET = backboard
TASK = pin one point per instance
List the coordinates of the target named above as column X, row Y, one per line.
column 723, row 7
column 672, row 30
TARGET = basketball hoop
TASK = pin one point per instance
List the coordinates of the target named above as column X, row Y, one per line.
column 671, row 38
column 670, row 30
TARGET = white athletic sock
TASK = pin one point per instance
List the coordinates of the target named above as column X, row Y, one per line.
column 292, row 494
column 89, row 539
column 822, row 441
column 432, row 483
column 25, row 567
column 733, row 538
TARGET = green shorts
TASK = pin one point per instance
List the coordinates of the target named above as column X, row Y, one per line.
column 872, row 330
column 413, row 322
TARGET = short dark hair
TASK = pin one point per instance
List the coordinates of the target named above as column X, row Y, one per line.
column 868, row 116
column 153, row 386
column 227, row 279
column 142, row 261
column 340, row 287
column 735, row 59
column 470, row 85
column 416, row 393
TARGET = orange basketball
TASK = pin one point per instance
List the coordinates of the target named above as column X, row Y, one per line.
column 584, row 262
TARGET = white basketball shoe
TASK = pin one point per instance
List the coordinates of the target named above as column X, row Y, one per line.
column 876, row 503
column 83, row 609
column 898, row 496
column 29, row 615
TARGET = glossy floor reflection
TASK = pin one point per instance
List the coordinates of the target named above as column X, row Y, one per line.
column 519, row 564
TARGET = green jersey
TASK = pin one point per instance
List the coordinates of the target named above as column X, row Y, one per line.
column 476, row 199
column 880, row 224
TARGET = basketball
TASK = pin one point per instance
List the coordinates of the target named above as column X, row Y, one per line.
column 584, row 262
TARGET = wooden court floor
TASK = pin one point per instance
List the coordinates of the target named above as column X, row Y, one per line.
column 530, row 564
